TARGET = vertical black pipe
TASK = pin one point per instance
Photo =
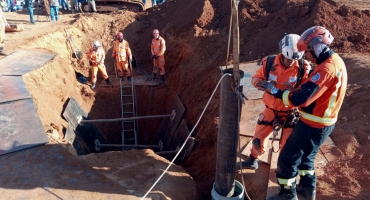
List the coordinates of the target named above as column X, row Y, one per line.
column 228, row 136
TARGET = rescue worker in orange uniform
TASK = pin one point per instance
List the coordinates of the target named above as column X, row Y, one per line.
column 158, row 48
column 285, row 69
column 319, row 101
column 122, row 55
column 96, row 57
column 3, row 24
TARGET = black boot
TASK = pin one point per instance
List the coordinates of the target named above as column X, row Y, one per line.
column 162, row 78
column 251, row 163
column 129, row 79
column 307, row 186
column 154, row 76
column 2, row 52
column 108, row 81
column 286, row 193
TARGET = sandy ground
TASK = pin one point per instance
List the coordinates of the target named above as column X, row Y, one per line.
column 196, row 47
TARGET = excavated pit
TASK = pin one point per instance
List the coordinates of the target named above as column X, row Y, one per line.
column 196, row 47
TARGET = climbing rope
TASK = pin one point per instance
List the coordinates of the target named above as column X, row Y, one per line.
column 187, row 138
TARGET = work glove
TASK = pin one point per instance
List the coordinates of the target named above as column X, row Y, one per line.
column 269, row 87
column 260, row 85
column 90, row 63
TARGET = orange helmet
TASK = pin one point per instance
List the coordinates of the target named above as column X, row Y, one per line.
column 314, row 35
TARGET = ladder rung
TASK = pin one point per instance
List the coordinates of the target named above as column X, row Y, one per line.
column 127, row 104
column 128, row 112
column 130, row 139
column 127, row 95
column 131, row 121
column 126, row 87
column 128, row 130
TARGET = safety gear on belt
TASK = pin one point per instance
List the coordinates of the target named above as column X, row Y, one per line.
column 286, row 193
column 90, row 62
column 92, row 86
column 251, row 163
column 288, row 47
column 155, row 57
column 314, row 35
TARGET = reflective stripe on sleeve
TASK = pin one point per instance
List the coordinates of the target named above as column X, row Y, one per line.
column 286, row 98
column 305, row 172
column 333, row 97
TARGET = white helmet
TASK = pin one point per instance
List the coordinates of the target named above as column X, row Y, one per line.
column 97, row 44
column 288, row 47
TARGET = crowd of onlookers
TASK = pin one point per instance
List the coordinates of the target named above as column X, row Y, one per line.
column 55, row 5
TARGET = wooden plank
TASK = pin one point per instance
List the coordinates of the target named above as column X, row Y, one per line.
column 179, row 138
column 273, row 186
column 77, row 144
column 87, row 132
column 20, row 126
column 165, row 133
column 265, row 158
column 23, row 61
column 13, row 88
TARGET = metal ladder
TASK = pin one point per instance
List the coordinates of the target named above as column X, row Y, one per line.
column 128, row 109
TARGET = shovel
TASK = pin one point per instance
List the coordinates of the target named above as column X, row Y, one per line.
column 77, row 54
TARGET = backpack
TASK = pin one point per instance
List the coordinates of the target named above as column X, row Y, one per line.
column 270, row 63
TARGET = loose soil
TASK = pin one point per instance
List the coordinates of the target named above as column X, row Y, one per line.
column 196, row 33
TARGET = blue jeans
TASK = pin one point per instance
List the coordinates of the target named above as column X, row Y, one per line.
column 54, row 10
column 30, row 10
column 299, row 151
column 64, row 3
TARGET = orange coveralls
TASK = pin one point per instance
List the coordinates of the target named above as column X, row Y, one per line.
column 122, row 54
column 3, row 23
column 280, row 75
column 158, row 48
column 97, row 57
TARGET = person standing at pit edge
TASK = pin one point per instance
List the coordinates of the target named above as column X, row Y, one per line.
column 3, row 24
column 158, row 48
column 54, row 10
column 96, row 57
column 29, row 5
column 319, row 101
column 122, row 55
column 287, row 67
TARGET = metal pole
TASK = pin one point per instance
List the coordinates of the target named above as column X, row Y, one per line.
column 228, row 129
column 235, row 25
column 123, row 119
column 129, row 145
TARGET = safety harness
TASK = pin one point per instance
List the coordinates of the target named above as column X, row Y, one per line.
column 291, row 120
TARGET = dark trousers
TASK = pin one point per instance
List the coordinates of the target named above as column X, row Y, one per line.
column 300, row 150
